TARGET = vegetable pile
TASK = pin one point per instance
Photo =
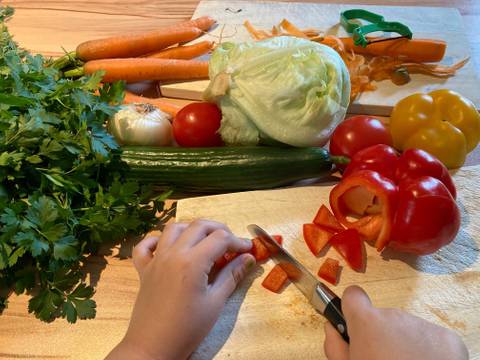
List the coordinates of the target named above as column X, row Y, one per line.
column 62, row 187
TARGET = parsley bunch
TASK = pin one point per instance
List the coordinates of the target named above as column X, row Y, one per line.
column 62, row 187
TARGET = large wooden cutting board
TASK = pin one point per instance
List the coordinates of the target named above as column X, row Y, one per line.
column 257, row 324
column 423, row 21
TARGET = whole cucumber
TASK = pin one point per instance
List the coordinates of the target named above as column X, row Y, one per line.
column 221, row 169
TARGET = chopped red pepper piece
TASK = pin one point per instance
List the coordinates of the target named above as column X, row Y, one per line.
column 369, row 227
column 260, row 251
column 225, row 259
column 278, row 239
column 315, row 237
column 383, row 202
column 325, row 219
column 350, row 246
column 276, row 279
column 329, row 270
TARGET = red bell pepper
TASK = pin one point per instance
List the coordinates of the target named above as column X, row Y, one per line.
column 427, row 217
column 409, row 204
column 326, row 220
column 329, row 270
column 315, row 237
column 415, row 163
column 350, row 246
column 345, row 203
column 412, row 164
column 380, row 158
column 276, row 279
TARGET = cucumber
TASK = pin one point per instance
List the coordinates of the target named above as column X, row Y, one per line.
column 221, row 169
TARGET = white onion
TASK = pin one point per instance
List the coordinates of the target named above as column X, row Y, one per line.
column 141, row 124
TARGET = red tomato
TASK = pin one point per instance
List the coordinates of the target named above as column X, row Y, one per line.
column 357, row 133
column 196, row 125
column 427, row 216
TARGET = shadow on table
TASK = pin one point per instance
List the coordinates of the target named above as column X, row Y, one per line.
column 456, row 257
column 96, row 263
column 220, row 333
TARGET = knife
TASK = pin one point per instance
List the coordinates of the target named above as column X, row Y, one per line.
column 318, row 294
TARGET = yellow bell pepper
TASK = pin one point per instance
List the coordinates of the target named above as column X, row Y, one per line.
column 442, row 122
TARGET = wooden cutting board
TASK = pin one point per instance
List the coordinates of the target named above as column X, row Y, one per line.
column 423, row 21
column 257, row 324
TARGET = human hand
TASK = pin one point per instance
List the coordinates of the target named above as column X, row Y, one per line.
column 388, row 334
column 176, row 305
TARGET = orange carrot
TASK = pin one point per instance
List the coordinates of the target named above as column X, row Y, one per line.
column 203, row 23
column 417, row 50
column 186, row 52
column 141, row 69
column 161, row 104
column 123, row 46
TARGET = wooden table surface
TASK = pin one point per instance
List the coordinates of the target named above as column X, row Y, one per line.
column 45, row 26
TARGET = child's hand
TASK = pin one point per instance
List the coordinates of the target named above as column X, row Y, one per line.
column 176, row 306
column 388, row 334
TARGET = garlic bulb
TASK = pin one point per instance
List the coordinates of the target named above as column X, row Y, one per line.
column 141, row 124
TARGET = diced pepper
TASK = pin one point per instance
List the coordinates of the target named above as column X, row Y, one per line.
column 329, row 270
column 275, row 280
column 350, row 246
column 260, row 251
column 326, row 220
column 315, row 237
column 225, row 259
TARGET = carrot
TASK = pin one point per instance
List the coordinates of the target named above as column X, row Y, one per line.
column 141, row 69
column 203, row 23
column 124, row 46
column 165, row 106
column 417, row 50
column 186, row 52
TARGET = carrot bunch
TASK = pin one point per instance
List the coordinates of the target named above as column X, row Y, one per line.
column 156, row 55
column 152, row 55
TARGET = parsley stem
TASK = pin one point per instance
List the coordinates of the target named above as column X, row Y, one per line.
column 64, row 61
column 77, row 72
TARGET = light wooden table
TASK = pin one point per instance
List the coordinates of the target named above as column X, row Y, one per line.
column 44, row 26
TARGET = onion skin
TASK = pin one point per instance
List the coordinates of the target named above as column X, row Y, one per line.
column 141, row 124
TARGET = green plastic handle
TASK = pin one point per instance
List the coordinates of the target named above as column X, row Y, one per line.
column 348, row 15
column 377, row 23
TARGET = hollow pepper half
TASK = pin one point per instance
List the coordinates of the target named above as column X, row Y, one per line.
column 442, row 122
column 405, row 201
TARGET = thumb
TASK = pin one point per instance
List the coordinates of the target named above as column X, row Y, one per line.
column 355, row 305
column 231, row 275
column 334, row 346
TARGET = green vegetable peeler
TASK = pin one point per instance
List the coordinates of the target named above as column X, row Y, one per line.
column 377, row 23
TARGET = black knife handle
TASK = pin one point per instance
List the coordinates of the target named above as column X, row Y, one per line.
column 333, row 313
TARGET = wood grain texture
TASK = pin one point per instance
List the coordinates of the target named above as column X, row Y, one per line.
column 443, row 287
column 44, row 26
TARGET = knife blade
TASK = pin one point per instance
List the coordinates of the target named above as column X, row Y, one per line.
column 317, row 293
